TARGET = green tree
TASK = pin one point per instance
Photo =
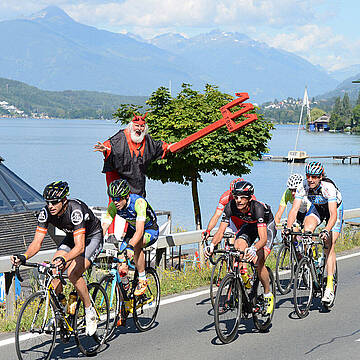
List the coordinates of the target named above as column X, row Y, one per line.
column 337, row 106
column 174, row 118
column 356, row 117
column 315, row 113
column 358, row 99
column 346, row 109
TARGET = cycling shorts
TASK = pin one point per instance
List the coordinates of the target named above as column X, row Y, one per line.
column 150, row 236
column 93, row 245
column 249, row 232
column 313, row 211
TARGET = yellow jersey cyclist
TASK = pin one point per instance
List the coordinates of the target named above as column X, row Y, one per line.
column 288, row 196
column 258, row 223
column 326, row 204
column 142, row 231
column 80, row 247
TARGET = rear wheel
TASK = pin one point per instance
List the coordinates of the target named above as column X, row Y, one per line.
column 218, row 272
column 303, row 288
column 146, row 306
column 35, row 333
column 89, row 345
column 111, row 287
column 227, row 310
column 285, row 266
column 262, row 320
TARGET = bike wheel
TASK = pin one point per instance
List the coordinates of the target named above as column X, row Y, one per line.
column 146, row 306
column 35, row 333
column 261, row 319
column 89, row 345
column 227, row 310
column 285, row 264
column 303, row 288
column 335, row 282
column 111, row 287
column 218, row 272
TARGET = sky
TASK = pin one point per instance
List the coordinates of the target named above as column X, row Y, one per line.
column 321, row 31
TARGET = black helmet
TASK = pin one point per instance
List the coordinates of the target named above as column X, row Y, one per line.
column 243, row 188
column 56, row 191
column 118, row 188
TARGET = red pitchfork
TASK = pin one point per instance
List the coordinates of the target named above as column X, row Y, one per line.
column 227, row 119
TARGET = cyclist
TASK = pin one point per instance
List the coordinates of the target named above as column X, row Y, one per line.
column 143, row 229
column 258, row 223
column 81, row 245
column 288, row 196
column 326, row 204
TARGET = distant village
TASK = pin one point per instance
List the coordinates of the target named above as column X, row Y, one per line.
column 14, row 112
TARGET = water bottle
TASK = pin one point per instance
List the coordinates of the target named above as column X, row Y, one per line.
column 125, row 281
column 72, row 303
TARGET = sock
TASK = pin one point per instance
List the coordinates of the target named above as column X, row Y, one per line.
column 329, row 283
column 88, row 309
column 142, row 276
column 268, row 294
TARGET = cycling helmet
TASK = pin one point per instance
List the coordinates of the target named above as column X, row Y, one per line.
column 294, row 181
column 56, row 191
column 233, row 182
column 243, row 188
column 118, row 188
column 314, row 168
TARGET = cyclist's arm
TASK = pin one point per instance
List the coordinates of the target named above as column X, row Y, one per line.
column 140, row 209
column 215, row 218
column 333, row 215
column 139, row 233
column 262, row 231
column 108, row 217
column 293, row 212
column 279, row 214
column 79, row 248
column 35, row 245
column 220, row 233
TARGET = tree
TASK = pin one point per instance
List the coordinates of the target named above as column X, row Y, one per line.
column 346, row 109
column 358, row 99
column 337, row 109
column 174, row 118
column 356, row 117
column 315, row 113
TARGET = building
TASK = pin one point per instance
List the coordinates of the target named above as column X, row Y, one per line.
column 320, row 124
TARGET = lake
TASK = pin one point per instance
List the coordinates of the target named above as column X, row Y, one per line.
column 43, row 150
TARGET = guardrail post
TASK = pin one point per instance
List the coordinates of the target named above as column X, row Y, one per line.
column 10, row 294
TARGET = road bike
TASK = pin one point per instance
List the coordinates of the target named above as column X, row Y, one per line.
column 287, row 260
column 310, row 279
column 235, row 302
column 42, row 317
column 144, row 308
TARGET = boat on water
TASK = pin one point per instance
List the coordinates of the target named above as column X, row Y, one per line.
column 297, row 156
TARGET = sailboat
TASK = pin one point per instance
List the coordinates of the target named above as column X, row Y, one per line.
column 299, row 155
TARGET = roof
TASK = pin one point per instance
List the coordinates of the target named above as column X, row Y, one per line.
column 15, row 194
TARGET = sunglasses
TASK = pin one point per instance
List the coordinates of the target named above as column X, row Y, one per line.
column 52, row 202
column 313, row 176
column 238, row 197
column 117, row 199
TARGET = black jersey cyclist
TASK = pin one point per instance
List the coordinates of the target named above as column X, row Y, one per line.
column 143, row 229
column 259, row 223
column 81, row 245
column 326, row 206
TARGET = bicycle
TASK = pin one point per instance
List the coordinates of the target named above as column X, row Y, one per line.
column 235, row 302
column 42, row 316
column 221, row 265
column 310, row 279
column 144, row 308
column 287, row 261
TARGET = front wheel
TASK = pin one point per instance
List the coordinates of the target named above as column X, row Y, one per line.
column 146, row 306
column 36, row 326
column 303, row 288
column 262, row 320
column 89, row 345
column 227, row 310
column 218, row 272
column 285, row 265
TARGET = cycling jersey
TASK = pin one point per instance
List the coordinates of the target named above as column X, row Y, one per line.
column 287, row 197
column 76, row 219
column 136, row 209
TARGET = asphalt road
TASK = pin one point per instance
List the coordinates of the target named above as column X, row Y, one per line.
column 185, row 330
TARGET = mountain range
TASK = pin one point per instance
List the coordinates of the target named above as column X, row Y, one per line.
column 52, row 51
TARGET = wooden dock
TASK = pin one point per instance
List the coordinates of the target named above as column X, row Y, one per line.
column 343, row 158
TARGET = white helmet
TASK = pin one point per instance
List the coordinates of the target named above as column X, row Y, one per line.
column 294, row 181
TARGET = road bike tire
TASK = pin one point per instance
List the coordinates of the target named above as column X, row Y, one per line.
column 262, row 321
column 90, row 345
column 219, row 270
column 112, row 290
column 336, row 279
column 146, row 306
column 228, row 307
column 31, row 320
column 303, row 288
column 284, row 262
